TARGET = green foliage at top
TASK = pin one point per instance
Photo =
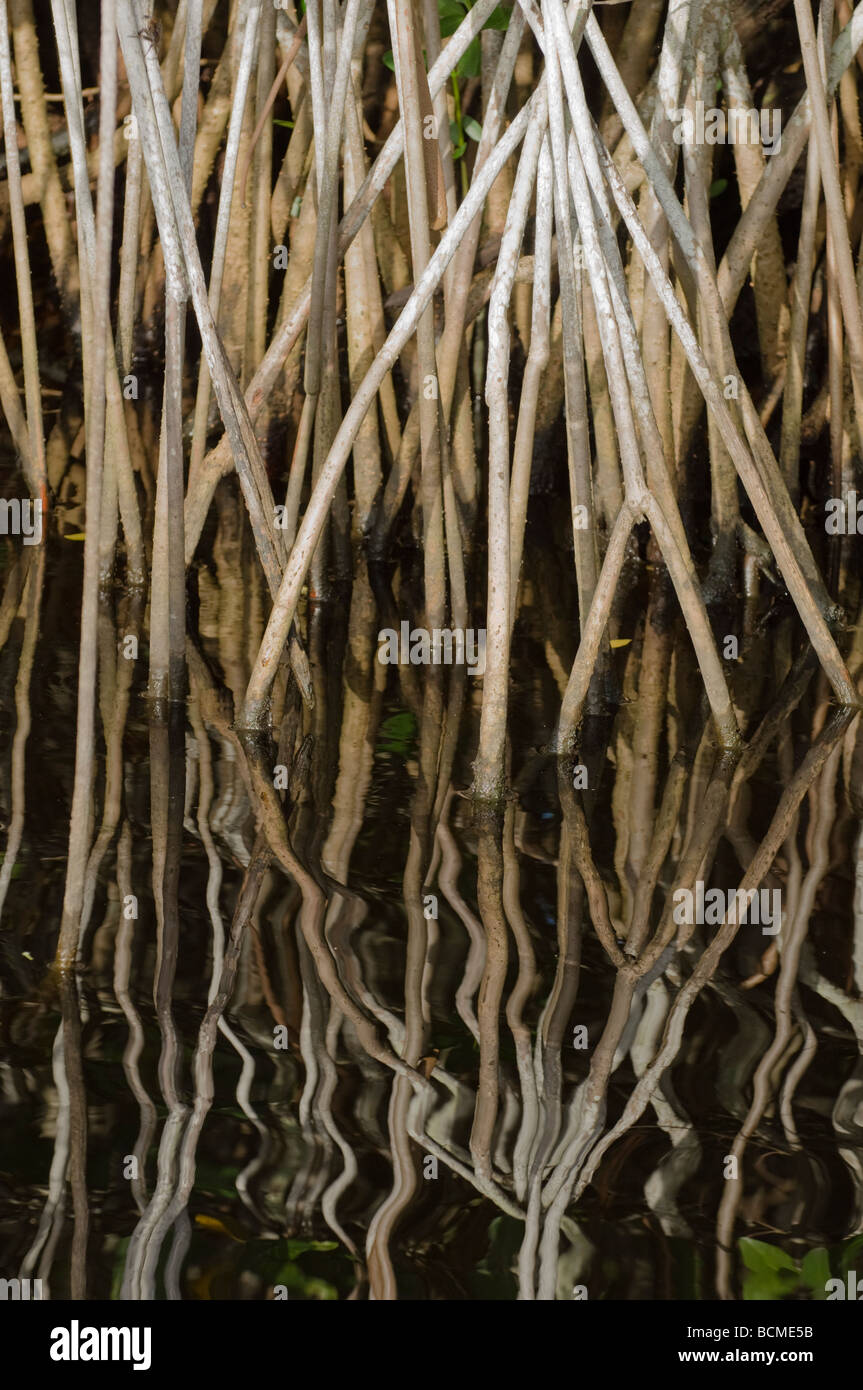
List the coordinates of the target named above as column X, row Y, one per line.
column 451, row 14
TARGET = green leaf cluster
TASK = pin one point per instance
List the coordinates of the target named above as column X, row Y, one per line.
column 772, row 1275
column 451, row 14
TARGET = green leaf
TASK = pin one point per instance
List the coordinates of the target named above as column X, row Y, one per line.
column 310, row 1287
column 760, row 1257
column 299, row 1247
column 815, row 1271
column 289, row 125
column 499, row 18
column 398, row 733
column 451, row 14
column 757, row 1290
column 718, row 187
column 769, row 1286
column 279, row 1261
column 472, row 128
column 850, row 1250
column 322, row 1291
column 389, row 60
column 458, row 141
column 771, row 1274
column 469, row 64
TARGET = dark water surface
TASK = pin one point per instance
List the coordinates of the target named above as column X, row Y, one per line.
column 152, row 1148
